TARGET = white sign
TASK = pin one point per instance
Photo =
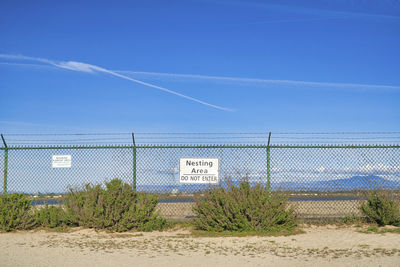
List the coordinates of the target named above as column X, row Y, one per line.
column 61, row 161
column 198, row 171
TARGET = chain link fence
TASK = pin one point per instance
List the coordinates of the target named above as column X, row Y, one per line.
column 325, row 182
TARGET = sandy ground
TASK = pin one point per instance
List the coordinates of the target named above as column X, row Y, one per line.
column 319, row 246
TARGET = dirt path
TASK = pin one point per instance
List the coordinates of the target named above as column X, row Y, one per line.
column 319, row 246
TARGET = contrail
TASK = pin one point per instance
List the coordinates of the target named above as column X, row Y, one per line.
column 74, row 66
column 264, row 81
column 84, row 67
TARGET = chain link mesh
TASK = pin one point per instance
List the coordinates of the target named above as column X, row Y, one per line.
column 158, row 171
column 2, row 165
column 331, row 183
column 324, row 182
column 30, row 170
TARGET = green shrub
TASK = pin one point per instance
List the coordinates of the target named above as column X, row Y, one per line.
column 117, row 207
column 244, row 208
column 382, row 208
column 51, row 216
column 15, row 212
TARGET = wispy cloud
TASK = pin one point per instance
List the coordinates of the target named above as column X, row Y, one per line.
column 263, row 81
column 292, row 20
column 24, row 64
column 89, row 68
column 83, row 67
column 369, row 9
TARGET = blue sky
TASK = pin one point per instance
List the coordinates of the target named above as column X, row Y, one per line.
column 199, row 66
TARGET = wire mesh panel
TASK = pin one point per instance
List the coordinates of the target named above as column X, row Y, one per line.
column 329, row 183
column 31, row 170
column 324, row 182
column 2, row 165
column 158, row 172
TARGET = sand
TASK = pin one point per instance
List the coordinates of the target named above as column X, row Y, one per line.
column 319, row 246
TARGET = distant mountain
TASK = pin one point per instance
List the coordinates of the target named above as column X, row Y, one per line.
column 347, row 184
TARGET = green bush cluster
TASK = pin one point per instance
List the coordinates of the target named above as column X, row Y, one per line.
column 15, row 212
column 51, row 217
column 117, row 207
column 244, row 208
column 382, row 208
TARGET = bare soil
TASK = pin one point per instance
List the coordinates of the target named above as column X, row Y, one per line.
column 319, row 246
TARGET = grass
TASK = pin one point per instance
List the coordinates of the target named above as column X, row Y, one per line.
column 200, row 233
column 380, row 230
column 184, row 243
column 193, row 232
column 349, row 220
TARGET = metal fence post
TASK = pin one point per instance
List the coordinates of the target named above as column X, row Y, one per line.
column 269, row 163
column 134, row 162
column 5, row 165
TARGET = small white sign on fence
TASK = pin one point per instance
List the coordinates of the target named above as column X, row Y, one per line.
column 61, row 161
column 198, row 171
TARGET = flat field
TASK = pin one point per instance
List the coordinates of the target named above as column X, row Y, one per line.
column 316, row 210
column 328, row 245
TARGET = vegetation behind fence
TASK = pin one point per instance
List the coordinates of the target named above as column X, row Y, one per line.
column 324, row 181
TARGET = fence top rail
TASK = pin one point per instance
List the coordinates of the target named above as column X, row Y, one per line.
column 196, row 146
column 238, row 139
